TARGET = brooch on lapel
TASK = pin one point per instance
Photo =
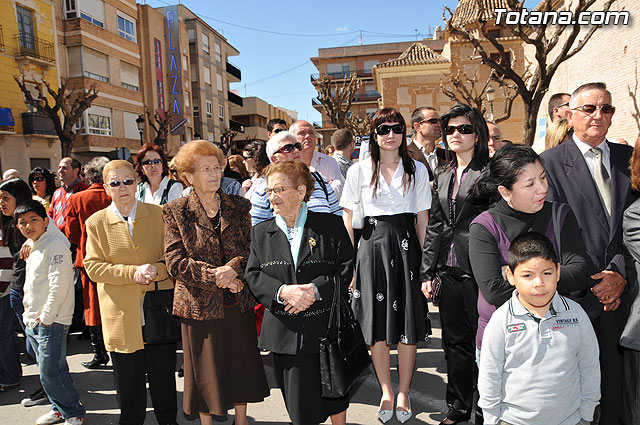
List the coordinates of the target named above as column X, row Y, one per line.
column 312, row 243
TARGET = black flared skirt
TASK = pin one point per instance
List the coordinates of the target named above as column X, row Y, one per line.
column 387, row 300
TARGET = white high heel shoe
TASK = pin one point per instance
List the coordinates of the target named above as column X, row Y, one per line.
column 403, row 416
column 384, row 416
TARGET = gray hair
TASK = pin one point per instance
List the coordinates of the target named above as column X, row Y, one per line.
column 573, row 102
column 93, row 169
column 274, row 143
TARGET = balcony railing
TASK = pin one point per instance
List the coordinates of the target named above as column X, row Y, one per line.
column 236, row 126
column 342, row 74
column 233, row 70
column 29, row 46
column 36, row 123
column 234, row 98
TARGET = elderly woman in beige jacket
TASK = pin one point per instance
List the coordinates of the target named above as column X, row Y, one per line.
column 125, row 253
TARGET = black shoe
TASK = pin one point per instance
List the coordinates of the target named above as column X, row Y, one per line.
column 39, row 397
column 181, row 373
column 4, row 388
column 99, row 359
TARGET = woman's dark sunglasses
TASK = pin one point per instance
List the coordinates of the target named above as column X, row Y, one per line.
column 38, row 179
column 383, row 129
column 116, row 183
column 289, row 148
column 462, row 129
column 152, row 161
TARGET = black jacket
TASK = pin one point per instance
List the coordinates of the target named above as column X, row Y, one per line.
column 443, row 229
column 570, row 182
column 325, row 252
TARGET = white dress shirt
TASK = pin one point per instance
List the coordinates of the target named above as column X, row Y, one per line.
column 329, row 169
column 154, row 198
column 391, row 198
column 431, row 157
column 589, row 157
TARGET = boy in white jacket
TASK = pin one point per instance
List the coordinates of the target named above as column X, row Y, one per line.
column 48, row 308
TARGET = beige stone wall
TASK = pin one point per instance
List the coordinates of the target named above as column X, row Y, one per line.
column 611, row 56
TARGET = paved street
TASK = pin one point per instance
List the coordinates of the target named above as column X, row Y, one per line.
column 97, row 393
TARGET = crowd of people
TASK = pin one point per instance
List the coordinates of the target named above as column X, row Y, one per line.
column 532, row 259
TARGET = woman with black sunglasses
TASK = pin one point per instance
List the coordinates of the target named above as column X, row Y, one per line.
column 155, row 186
column 42, row 183
column 393, row 190
column 446, row 255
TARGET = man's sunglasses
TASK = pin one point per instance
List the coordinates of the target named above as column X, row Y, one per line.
column 289, row 148
column 462, row 129
column 152, row 161
column 433, row 121
column 116, row 183
column 278, row 130
column 38, row 179
column 590, row 109
column 383, row 129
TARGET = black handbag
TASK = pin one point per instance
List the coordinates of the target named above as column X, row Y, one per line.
column 344, row 355
column 160, row 325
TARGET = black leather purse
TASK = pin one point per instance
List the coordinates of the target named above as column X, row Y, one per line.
column 344, row 355
column 160, row 325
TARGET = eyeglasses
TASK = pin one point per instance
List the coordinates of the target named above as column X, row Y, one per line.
column 38, row 179
column 462, row 129
column 277, row 190
column 152, row 161
column 116, row 183
column 433, row 121
column 562, row 105
column 383, row 129
column 209, row 170
column 590, row 109
column 278, row 130
column 289, row 148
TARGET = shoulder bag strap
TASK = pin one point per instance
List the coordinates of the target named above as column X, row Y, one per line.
column 334, row 315
column 318, row 177
column 141, row 190
column 165, row 193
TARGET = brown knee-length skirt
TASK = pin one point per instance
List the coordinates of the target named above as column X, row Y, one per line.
column 222, row 364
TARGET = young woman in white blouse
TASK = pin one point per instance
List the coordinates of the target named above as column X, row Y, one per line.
column 155, row 186
column 395, row 196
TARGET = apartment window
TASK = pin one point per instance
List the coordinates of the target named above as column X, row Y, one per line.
column 221, row 112
column 186, row 99
column 338, row 70
column 25, row 28
column 368, row 65
column 196, row 111
column 207, row 75
column 219, row 81
column 129, row 76
column 185, row 63
column 158, row 53
column 96, row 64
column 40, row 162
column 99, row 121
column 209, row 109
column 126, row 27
column 160, row 91
column 371, row 111
column 130, row 126
column 192, row 35
column 370, row 91
column 205, row 43
column 89, row 10
column 218, row 53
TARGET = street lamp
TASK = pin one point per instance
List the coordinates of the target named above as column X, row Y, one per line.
column 490, row 96
column 140, row 124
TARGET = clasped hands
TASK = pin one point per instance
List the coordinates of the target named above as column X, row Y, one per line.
column 225, row 278
column 298, row 298
column 145, row 274
column 610, row 288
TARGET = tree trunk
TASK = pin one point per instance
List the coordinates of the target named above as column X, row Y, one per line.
column 65, row 145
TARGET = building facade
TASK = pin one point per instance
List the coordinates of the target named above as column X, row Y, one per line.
column 98, row 46
column 27, row 48
column 252, row 119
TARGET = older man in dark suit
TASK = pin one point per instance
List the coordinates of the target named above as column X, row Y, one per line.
column 592, row 176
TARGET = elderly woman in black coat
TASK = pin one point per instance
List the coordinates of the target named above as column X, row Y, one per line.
column 295, row 259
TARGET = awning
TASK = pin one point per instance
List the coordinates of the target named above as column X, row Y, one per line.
column 6, row 117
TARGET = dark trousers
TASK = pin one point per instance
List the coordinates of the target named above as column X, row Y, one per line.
column 459, row 317
column 608, row 327
column 631, row 394
column 158, row 362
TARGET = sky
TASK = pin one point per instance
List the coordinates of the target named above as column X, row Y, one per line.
column 276, row 67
